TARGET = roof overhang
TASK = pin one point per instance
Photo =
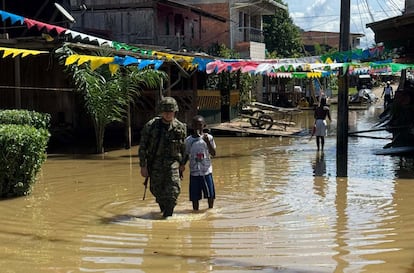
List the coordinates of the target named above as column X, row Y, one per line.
column 395, row 32
column 394, row 22
column 264, row 7
column 194, row 9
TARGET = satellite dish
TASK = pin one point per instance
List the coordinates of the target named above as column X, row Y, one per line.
column 65, row 13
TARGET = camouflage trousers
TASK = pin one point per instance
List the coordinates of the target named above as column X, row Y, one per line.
column 165, row 183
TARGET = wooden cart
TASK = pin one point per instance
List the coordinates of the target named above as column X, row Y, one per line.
column 265, row 116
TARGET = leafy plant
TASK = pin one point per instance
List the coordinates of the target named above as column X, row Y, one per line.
column 22, row 153
column 282, row 36
column 107, row 96
column 25, row 117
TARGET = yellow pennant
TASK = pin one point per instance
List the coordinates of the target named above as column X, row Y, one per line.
column 95, row 61
column 113, row 68
column 23, row 52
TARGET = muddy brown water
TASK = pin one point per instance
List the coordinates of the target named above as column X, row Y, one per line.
column 279, row 208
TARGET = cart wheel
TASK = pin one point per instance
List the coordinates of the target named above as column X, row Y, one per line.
column 254, row 121
column 265, row 120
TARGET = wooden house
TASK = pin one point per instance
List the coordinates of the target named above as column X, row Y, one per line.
column 169, row 26
column 40, row 82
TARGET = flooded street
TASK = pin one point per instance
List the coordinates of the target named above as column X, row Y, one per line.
column 279, row 208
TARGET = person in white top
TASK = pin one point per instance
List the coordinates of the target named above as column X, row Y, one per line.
column 200, row 148
column 388, row 94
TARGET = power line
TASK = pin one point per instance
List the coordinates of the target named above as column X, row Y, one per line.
column 395, row 6
column 369, row 11
column 360, row 17
column 379, row 4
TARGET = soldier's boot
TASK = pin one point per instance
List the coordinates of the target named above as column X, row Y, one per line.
column 169, row 210
column 162, row 207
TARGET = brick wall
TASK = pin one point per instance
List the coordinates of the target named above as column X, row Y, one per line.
column 213, row 31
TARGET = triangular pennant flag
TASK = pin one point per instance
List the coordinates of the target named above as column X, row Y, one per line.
column 24, row 52
column 13, row 18
column 83, row 59
column 119, row 46
column 98, row 61
column 113, row 68
column 130, row 60
column 82, row 36
column 201, row 63
column 71, row 59
column 31, row 23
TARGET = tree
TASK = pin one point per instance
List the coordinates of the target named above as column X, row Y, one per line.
column 282, row 37
column 107, row 96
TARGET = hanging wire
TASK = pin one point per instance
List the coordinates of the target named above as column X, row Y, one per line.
column 360, row 18
column 369, row 11
column 396, row 7
column 380, row 5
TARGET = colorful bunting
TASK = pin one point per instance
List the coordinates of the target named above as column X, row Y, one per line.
column 356, row 54
column 75, row 34
column 13, row 18
column 23, row 52
column 201, row 63
column 144, row 63
column 306, row 67
column 119, row 46
column 33, row 23
column 95, row 61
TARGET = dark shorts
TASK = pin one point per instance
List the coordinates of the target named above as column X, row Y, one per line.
column 202, row 184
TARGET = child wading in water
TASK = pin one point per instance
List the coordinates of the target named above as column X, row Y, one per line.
column 200, row 147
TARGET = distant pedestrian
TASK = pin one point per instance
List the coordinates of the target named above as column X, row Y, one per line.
column 388, row 94
column 162, row 155
column 200, row 148
column 322, row 112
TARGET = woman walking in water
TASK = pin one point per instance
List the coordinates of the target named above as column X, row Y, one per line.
column 321, row 113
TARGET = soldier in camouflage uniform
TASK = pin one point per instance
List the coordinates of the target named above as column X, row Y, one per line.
column 161, row 155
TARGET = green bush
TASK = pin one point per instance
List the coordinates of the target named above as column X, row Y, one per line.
column 22, row 150
column 25, row 117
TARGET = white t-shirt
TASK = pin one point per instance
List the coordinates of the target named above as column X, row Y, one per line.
column 200, row 159
column 387, row 90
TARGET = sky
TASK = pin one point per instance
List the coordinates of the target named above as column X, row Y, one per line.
column 324, row 15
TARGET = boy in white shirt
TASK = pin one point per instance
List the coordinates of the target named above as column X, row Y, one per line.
column 200, row 147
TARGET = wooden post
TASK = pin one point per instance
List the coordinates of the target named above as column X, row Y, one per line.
column 128, row 130
column 17, row 84
column 342, row 129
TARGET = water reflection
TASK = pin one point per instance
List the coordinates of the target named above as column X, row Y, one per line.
column 319, row 165
column 279, row 208
column 404, row 167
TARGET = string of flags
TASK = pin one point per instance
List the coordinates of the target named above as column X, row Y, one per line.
column 309, row 67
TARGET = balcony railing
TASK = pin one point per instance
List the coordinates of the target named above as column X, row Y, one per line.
column 251, row 34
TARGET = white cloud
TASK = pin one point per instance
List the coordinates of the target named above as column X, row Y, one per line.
column 324, row 15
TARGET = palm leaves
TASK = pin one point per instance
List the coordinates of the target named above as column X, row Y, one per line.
column 107, row 97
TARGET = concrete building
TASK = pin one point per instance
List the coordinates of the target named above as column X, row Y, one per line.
column 243, row 31
column 329, row 40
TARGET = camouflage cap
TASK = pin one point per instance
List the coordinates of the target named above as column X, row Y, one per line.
column 168, row 104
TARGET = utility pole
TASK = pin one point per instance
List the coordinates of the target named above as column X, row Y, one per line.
column 342, row 129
